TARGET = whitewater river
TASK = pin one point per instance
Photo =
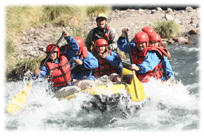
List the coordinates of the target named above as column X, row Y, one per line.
column 171, row 108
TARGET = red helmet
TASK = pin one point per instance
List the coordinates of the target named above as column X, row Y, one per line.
column 80, row 42
column 155, row 37
column 141, row 37
column 51, row 47
column 148, row 30
column 101, row 42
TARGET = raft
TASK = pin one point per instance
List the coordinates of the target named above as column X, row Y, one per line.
column 117, row 89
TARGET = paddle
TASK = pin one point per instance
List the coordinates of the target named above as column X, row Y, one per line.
column 136, row 87
column 19, row 99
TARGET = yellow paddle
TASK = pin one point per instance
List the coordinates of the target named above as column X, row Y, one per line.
column 19, row 99
column 136, row 87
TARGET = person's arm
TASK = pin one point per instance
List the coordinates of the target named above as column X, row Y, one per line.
column 91, row 62
column 122, row 45
column 113, row 39
column 113, row 59
column 167, row 67
column 41, row 73
column 74, row 47
column 150, row 62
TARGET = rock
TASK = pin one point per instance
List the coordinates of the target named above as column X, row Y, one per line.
column 159, row 9
column 169, row 10
column 176, row 20
column 169, row 17
column 191, row 32
column 153, row 11
column 181, row 40
column 189, row 9
column 141, row 11
column 170, row 41
column 48, row 25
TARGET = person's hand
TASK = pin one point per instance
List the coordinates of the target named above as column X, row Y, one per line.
column 66, row 34
column 104, row 55
column 78, row 62
column 123, row 31
column 38, row 71
column 135, row 67
column 117, row 79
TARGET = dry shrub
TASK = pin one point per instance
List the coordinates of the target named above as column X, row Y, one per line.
column 168, row 29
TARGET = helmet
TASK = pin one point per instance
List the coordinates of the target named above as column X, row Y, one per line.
column 101, row 42
column 101, row 15
column 141, row 37
column 148, row 30
column 50, row 47
column 155, row 37
column 80, row 42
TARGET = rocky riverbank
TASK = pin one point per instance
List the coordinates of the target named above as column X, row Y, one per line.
column 34, row 40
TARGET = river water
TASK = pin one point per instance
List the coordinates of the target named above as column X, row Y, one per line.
column 171, row 108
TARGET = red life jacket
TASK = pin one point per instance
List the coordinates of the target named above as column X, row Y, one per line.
column 60, row 74
column 163, row 49
column 139, row 57
column 104, row 68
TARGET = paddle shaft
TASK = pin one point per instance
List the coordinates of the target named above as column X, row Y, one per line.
column 129, row 51
column 52, row 51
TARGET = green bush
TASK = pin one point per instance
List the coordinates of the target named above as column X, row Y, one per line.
column 53, row 12
column 168, row 29
column 92, row 11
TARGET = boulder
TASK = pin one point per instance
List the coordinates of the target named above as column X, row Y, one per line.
column 176, row 20
column 159, row 9
column 48, row 25
column 169, row 10
column 189, row 9
column 169, row 17
column 170, row 41
column 181, row 40
column 191, row 32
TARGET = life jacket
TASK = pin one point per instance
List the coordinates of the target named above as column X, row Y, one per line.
column 168, row 55
column 139, row 57
column 60, row 74
column 102, row 35
column 163, row 48
column 104, row 68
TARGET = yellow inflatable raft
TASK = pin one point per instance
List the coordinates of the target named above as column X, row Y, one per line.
column 116, row 89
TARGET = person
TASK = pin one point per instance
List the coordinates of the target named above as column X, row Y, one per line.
column 57, row 68
column 147, row 29
column 109, row 61
column 146, row 61
column 71, row 48
column 155, row 40
column 102, row 31
column 85, row 63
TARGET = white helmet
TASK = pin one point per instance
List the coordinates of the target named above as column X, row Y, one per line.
column 101, row 15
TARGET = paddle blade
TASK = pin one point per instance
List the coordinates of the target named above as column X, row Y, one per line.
column 19, row 100
column 136, row 89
